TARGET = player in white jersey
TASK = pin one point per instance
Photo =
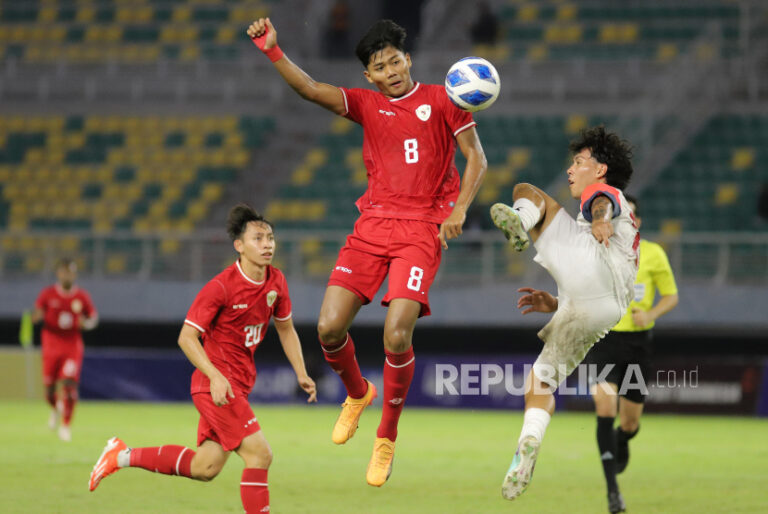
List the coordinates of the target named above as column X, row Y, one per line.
column 593, row 260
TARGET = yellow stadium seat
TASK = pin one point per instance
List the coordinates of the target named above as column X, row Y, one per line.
column 116, row 263
column 575, row 123
column 169, row 246
column 537, row 52
column 671, row 226
column 566, row 12
column 34, row 263
column 528, row 12
column 726, row 194
column 742, row 158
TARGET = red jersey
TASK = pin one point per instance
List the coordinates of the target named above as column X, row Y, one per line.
column 62, row 312
column 232, row 312
column 409, row 145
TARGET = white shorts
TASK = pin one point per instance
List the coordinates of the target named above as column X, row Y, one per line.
column 587, row 304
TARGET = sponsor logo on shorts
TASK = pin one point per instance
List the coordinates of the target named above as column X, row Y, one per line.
column 250, row 422
column 343, row 269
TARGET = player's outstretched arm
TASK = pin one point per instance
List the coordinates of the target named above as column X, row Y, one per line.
column 264, row 36
column 292, row 348
column 37, row 315
column 89, row 323
column 189, row 341
column 473, row 177
column 536, row 301
column 602, row 212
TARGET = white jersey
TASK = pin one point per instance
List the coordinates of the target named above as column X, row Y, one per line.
column 622, row 252
column 595, row 284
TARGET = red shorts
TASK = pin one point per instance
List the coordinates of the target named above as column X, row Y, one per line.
column 227, row 425
column 408, row 250
column 61, row 362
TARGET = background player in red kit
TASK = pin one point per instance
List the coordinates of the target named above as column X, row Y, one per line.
column 231, row 314
column 413, row 204
column 65, row 311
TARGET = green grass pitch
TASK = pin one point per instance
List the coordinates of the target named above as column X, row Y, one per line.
column 446, row 461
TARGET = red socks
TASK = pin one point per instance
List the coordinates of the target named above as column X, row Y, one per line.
column 253, row 490
column 398, row 373
column 342, row 359
column 69, row 399
column 168, row 460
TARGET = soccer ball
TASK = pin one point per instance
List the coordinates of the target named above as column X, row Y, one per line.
column 472, row 84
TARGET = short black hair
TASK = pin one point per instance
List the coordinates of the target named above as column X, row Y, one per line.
column 239, row 217
column 609, row 149
column 633, row 200
column 382, row 34
column 65, row 262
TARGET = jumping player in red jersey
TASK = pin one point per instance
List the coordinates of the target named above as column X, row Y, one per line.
column 65, row 311
column 231, row 314
column 414, row 203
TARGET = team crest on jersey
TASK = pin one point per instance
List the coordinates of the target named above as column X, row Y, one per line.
column 424, row 111
column 76, row 305
column 271, row 297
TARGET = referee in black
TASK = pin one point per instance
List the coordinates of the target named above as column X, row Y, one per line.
column 627, row 347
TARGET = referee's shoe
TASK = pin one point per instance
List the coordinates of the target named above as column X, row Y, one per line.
column 616, row 502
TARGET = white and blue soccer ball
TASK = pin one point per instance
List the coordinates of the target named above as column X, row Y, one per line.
column 472, row 84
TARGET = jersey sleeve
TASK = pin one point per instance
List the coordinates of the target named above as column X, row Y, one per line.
column 458, row 120
column 41, row 298
column 283, row 309
column 208, row 302
column 662, row 274
column 593, row 191
column 89, row 310
column 355, row 100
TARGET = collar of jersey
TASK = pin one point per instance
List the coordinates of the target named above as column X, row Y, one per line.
column 246, row 277
column 409, row 93
column 64, row 292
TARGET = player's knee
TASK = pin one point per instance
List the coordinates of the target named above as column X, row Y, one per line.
column 260, row 457
column 630, row 425
column 397, row 340
column 520, row 189
column 206, row 472
column 330, row 332
column 266, row 457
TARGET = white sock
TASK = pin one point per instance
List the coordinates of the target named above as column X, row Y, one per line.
column 535, row 423
column 124, row 458
column 528, row 212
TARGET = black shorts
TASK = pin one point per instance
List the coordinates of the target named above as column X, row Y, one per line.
column 624, row 359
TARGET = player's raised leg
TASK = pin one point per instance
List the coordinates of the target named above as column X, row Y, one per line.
column 167, row 459
column 336, row 314
column 399, row 366
column 257, row 455
column 530, row 213
column 539, row 406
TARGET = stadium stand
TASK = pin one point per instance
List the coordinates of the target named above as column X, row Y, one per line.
column 138, row 32
column 600, row 30
column 96, row 175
